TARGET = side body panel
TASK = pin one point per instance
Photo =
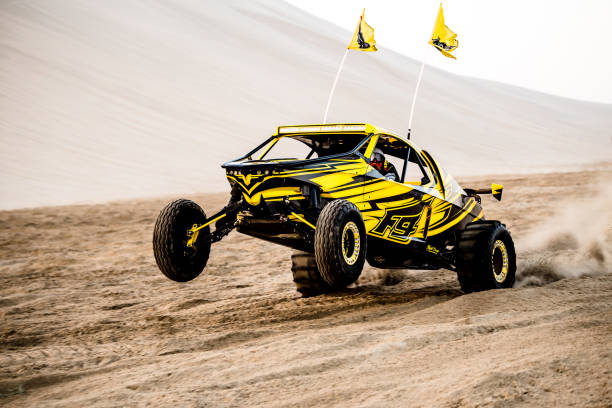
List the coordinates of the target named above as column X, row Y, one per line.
column 396, row 212
column 410, row 220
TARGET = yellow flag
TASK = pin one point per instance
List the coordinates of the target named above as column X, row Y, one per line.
column 363, row 39
column 443, row 38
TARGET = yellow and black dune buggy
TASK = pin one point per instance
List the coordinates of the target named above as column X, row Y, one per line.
column 340, row 195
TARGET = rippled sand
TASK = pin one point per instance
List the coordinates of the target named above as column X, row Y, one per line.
column 88, row 320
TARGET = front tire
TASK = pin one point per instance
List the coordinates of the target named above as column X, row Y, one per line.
column 174, row 258
column 340, row 243
column 486, row 258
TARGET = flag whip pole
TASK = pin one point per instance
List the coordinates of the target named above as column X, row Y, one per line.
column 416, row 91
column 331, row 93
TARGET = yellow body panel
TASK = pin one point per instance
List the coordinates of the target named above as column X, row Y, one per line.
column 398, row 212
column 274, row 194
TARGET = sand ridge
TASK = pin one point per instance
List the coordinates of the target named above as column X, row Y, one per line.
column 110, row 100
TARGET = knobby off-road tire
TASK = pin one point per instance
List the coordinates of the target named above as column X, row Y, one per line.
column 177, row 261
column 340, row 243
column 486, row 258
column 308, row 280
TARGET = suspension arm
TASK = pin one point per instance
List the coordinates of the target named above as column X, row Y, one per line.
column 230, row 210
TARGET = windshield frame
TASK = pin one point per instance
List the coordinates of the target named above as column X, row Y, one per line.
column 272, row 140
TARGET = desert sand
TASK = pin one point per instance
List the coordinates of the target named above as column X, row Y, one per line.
column 140, row 102
column 88, row 319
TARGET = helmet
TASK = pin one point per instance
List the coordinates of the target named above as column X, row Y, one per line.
column 377, row 160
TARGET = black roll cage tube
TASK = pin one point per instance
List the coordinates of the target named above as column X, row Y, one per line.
column 294, row 162
column 234, row 163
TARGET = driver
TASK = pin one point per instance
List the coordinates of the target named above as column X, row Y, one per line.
column 378, row 161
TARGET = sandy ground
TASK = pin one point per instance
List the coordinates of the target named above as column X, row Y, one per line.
column 88, row 320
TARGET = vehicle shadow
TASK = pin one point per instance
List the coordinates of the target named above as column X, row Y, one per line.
column 405, row 293
column 397, row 286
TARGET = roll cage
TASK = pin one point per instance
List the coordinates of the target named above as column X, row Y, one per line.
column 360, row 140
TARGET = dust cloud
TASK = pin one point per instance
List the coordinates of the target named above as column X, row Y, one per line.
column 570, row 243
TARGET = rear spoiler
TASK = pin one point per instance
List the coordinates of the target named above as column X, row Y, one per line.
column 496, row 190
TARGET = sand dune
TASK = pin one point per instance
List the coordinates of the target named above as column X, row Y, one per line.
column 114, row 99
column 88, row 320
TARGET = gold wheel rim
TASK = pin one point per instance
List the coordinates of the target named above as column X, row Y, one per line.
column 499, row 261
column 351, row 243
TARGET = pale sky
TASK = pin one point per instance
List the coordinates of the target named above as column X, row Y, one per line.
column 558, row 47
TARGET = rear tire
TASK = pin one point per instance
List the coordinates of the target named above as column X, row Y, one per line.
column 486, row 258
column 177, row 261
column 308, row 280
column 340, row 243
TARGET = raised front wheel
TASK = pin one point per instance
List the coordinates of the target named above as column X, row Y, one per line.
column 177, row 257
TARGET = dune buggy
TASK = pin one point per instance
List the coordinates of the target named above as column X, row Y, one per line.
column 340, row 195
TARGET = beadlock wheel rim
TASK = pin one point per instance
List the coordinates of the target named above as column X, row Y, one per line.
column 499, row 261
column 351, row 243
